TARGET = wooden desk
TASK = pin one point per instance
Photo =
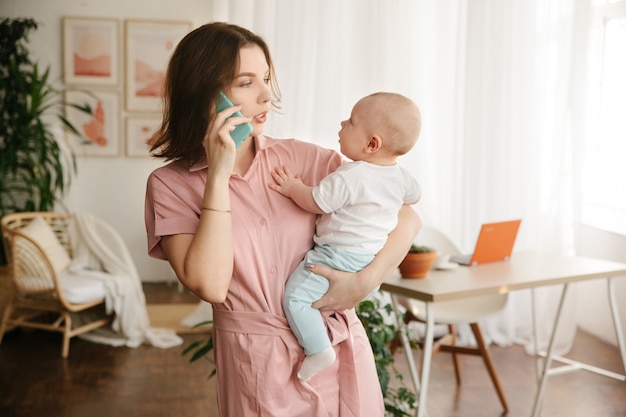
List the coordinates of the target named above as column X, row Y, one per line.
column 522, row 271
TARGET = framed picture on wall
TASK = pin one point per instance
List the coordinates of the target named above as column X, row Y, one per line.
column 100, row 130
column 90, row 51
column 149, row 45
column 139, row 131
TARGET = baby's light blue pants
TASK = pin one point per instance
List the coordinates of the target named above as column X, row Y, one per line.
column 304, row 287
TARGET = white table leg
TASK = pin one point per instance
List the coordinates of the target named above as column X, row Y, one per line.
column 617, row 324
column 572, row 365
column 538, row 360
column 575, row 365
column 427, row 354
column 406, row 344
column 548, row 360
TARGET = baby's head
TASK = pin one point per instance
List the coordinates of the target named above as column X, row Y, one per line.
column 395, row 118
column 382, row 127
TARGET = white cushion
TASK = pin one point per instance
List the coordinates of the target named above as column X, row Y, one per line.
column 79, row 289
column 41, row 232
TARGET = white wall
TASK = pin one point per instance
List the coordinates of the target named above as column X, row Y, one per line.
column 111, row 188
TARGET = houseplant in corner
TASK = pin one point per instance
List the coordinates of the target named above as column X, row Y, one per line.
column 35, row 167
column 418, row 261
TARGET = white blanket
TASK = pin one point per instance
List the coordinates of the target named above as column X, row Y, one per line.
column 101, row 253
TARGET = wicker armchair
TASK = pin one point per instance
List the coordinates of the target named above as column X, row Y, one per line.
column 43, row 296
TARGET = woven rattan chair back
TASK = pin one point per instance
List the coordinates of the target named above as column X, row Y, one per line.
column 37, row 299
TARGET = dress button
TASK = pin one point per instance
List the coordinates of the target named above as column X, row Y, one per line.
column 273, row 270
column 262, row 222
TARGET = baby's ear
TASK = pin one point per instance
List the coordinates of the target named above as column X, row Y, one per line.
column 374, row 144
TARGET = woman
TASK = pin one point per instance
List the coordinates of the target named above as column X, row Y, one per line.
column 234, row 242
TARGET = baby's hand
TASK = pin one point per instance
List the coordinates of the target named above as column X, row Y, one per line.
column 284, row 180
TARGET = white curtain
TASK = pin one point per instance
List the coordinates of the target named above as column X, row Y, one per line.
column 498, row 85
column 523, row 121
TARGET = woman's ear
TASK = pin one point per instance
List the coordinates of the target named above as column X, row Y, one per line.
column 374, row 144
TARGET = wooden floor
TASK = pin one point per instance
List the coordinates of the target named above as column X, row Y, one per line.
column 103, row 381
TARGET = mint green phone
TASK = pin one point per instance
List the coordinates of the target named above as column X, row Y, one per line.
column 243, row 130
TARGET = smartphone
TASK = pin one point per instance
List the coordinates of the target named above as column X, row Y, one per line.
column 243, row 130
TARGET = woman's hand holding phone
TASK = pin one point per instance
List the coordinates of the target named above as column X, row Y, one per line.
column 241, row 131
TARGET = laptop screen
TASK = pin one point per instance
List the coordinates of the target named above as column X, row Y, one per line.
column 495, row 241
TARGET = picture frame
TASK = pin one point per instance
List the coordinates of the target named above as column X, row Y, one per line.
column 91, row 51
column 100, row 131
column 139, row 131
column 149, row 45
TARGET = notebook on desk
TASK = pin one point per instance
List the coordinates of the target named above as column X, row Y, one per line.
column 495, row 243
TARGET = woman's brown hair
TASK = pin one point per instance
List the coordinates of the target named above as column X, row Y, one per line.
column 204, row 63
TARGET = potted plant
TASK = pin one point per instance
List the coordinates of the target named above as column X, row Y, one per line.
column 400, row 401
column 418, row 261
column 35, row 168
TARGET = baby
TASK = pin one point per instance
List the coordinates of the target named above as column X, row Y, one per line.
column 359, row 205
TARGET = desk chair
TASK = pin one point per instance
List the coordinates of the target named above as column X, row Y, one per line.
column 456, row 312
column 43, row 296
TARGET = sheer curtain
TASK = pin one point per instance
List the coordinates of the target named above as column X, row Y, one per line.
column 497, row 85
column 522, row 146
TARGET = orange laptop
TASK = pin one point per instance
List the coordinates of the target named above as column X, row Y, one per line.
column 495, row 243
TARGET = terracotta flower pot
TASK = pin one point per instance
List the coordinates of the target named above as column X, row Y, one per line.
column 417, row 265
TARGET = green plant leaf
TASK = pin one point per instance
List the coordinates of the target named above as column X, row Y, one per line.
column 420, row 249
column 34, row 171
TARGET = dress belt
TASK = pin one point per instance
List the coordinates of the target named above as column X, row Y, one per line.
column 269, row 324
column 249, row 322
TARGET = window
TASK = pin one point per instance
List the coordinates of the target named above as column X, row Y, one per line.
column 604, row 165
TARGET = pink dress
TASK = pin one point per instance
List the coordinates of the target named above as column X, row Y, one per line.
column 256, row 354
